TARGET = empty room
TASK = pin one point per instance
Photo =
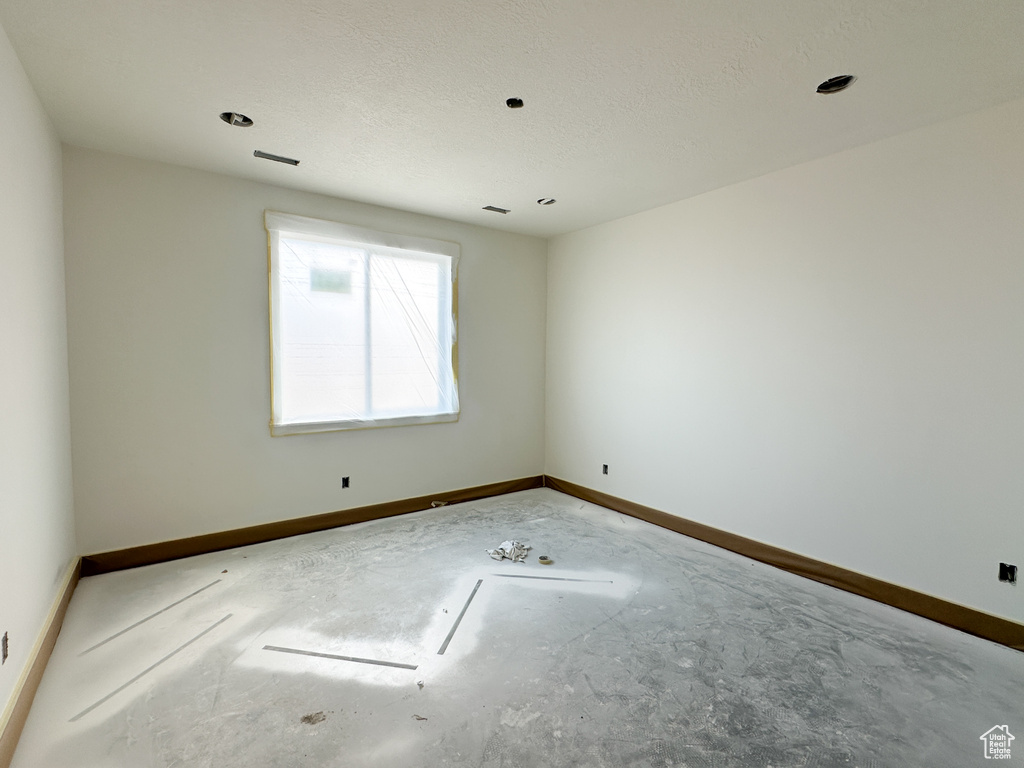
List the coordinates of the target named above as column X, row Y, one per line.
column 511, row 384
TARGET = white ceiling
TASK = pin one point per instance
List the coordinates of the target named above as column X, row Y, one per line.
column 629, row 105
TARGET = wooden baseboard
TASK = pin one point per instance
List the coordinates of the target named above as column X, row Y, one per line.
column 16, row 712
column 994, row 628
column 214, row 542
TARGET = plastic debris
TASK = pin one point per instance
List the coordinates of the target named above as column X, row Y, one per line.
column 510, row 550
column 545, row 560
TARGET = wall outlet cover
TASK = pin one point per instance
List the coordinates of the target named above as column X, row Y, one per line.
column 1008, row 573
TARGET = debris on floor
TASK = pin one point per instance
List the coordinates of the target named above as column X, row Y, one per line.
column 419, row 718
column 314, row 718
column 545, row 560
column 510, row 550
column 420, row 684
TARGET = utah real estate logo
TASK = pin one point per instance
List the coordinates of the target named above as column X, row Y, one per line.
column 997, row 742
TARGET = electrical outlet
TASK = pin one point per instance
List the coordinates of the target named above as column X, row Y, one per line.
column 4, row 652
column 604, row 469
column 1008, row 573
column 344, row 482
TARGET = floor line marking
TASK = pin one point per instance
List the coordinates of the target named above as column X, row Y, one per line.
column 339, row 658
column 151, row 616
column 451, row 633
column 550, row 578
column 149, row 669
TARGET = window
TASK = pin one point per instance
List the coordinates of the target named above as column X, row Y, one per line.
column 362, row 327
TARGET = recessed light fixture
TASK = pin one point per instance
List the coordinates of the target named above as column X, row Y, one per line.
column 836, row 84
column 275, row 158
column 514, row 103
column 236, row 118
column 546, row 201
column 496, row 209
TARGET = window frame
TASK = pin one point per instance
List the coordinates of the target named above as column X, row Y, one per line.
column 276, row 224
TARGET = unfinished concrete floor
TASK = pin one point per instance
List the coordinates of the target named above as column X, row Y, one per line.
column 636, row 647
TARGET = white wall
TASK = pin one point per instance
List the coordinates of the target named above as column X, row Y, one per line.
column 169, row 357
column 829, row 358
column 36, row 524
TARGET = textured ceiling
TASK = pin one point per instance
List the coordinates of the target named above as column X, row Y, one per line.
column 629, row 105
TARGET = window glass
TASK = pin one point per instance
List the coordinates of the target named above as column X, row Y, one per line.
column 362, row 327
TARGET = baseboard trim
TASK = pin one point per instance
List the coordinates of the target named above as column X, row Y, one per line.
column 16, row 713
column 149, row 554
column 974, row 622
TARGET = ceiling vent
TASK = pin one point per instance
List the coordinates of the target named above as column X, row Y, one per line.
column 236, row 118
column 275, row 158
column 836, row 84
column 496, row 209
column 546, row 201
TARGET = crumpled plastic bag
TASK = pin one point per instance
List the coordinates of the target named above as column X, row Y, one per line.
column 510, row 550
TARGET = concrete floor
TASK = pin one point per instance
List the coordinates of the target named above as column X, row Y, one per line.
column 636, row 647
